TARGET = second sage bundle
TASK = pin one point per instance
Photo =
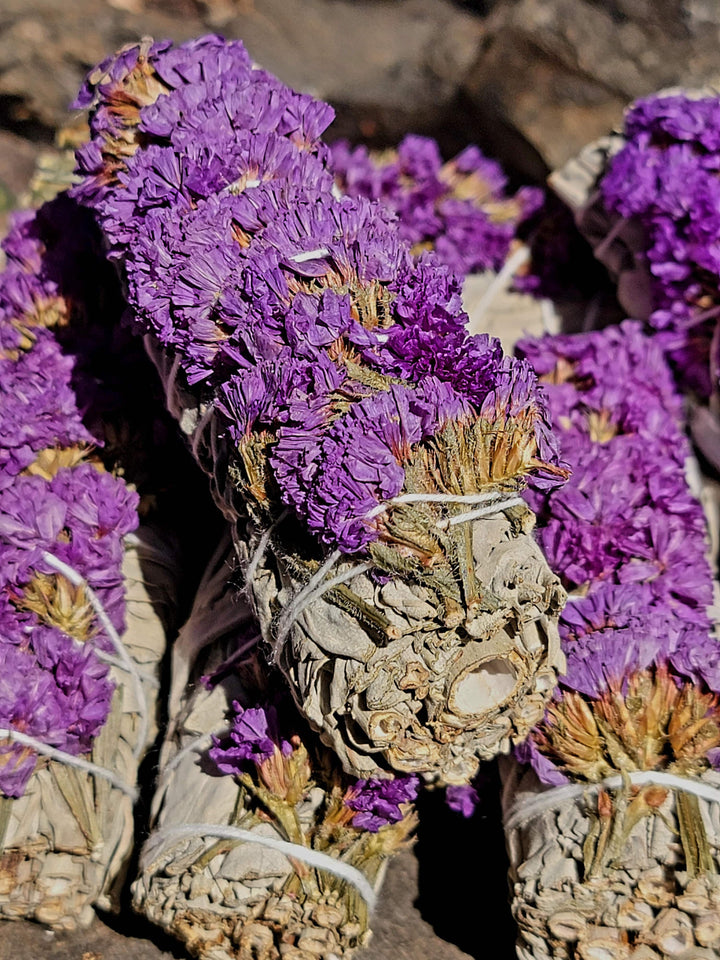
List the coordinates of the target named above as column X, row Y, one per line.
column 259, row 844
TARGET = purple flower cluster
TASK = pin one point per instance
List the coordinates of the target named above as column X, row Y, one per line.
column 378, row 802
column 291, row 308
column 665, row 181
column 253, row 738
column 53, row 686
column 463, row 799
column 255, row 741
column 625, row 533
column 459, row 209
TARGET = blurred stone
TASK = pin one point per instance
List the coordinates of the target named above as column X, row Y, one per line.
column 409, row 56
column 562, row 71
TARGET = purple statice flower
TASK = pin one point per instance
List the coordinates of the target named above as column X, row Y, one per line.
column 429, row 336
column 38, row 407
column 378, row 802
column 107, row 77
column 696, row 657
column 202, row 59
column 20, row 244
column 625, row 528
column 32, row 520
column 602, row 657
column 609, row 607
column 471, row 241
column 462, row 799
column 253, row 738
column 359, row 463
column 459, row 208
column 54, row 690
column 117, row 91
column 665, row 182
column 82, row 679
column 358, row 239
column 101, row 511
column 589, row 374
column 529, row 752
column 677, row 117
column 273, row 292
column 54, row 687
column 80, row 517
column 626, row 516
column 160, row 177
column 252, row 101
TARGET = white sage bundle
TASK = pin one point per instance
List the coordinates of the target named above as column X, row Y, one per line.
column 592, row 878
column 258, row 846
column 67, row 841
column 390, row 677
column 85, row 596
column 613, row 833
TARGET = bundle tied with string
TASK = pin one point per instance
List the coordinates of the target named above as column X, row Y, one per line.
column 67, row 840
column 258, row 845
column 422, row 673
column 327, row 383
column 86, row 590
column 648, row 201
column 612, row 824
column 601, row 870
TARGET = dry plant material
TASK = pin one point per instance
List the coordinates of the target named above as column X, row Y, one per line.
column 613, row 833
column 370, row 451
column 259, row 844
column 66, row 842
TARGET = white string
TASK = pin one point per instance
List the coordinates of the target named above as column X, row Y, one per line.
column 128, row 664
column 310, row 255
column 67, row 758
column 466, row 498
column 500, row 282
column 317, row 585
column 304, row 599
column 482, row 512
column 528, row 808
column 260, row 549
column 313, row 858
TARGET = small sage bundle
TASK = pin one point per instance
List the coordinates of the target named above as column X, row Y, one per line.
column 67, row 840
column 647, row 201
column 369, row 451
column 613, row 831
column 86, row 591
column 604, row 872
column 259, row 845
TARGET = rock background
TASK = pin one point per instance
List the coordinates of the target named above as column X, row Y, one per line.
column 530, row 81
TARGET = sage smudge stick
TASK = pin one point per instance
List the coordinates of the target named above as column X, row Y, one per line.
column 648, row 202
column 258, row 842
column 81, row 643
column 328, row 385
column 612, row 830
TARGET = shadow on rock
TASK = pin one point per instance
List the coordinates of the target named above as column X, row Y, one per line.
column 462, row 871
